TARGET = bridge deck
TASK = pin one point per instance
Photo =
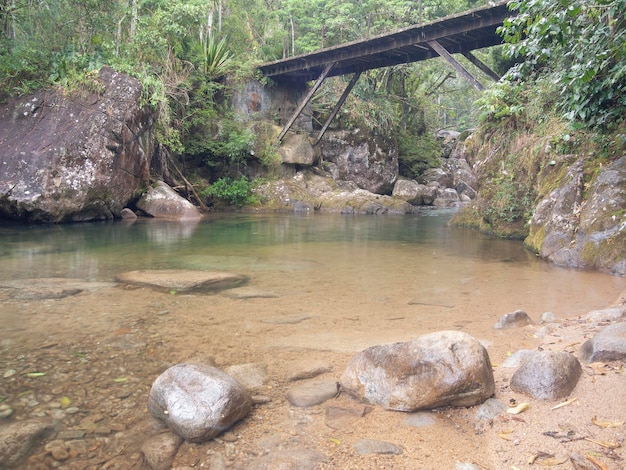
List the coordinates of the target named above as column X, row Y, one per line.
column 460, row 33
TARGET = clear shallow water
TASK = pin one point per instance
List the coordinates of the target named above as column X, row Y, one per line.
column 416, row 258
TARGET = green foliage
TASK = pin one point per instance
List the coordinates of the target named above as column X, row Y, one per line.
column 581, row 44
column 230, row 147
column 512, row 201
column 417, row 154
column 233, row 192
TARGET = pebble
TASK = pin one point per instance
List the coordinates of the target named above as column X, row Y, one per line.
column 5, row 411
column 313, row 393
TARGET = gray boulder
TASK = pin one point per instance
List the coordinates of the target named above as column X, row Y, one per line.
column 198, row 402
column 162, row 202
column 75, row 157
column 438, row 369
column 513, row 320
column 547, row 375
column 408, row 190
column 608, row 345
column 447, row 197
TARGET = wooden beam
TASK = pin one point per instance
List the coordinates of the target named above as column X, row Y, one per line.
column 439, row 49
column 482, row 66
column 338, row 106
column 306, row 101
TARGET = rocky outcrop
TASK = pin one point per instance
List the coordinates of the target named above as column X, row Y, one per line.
column 371, row 162
column 309, row 191
column 439, row 369
column 583, row 225
column 75, row 156
column 198, row 402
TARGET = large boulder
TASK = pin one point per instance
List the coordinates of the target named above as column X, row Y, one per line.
column 437, row 369
column 367, row 160
column 162, row 202
column 198, row 402
column 75, row 156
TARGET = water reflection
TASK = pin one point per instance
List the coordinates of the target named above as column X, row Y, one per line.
column 254, row 242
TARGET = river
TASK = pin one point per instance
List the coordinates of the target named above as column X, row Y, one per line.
column 323, row 287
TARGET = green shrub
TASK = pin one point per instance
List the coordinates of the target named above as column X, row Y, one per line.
column 232, row 192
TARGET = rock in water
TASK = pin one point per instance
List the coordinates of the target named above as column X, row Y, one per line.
column 547, row 375
column 182, row 280
column 438, row 369
column 19, row 438
column 198, row 402
column 163, row 202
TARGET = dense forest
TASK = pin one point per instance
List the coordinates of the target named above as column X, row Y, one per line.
column 563, row 58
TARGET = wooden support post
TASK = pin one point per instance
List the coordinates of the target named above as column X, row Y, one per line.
column 482, row 66
column 306, row 100
column 338, row 106
column 439, row 49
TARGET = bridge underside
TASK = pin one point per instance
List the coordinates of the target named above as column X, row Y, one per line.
column 461, row 33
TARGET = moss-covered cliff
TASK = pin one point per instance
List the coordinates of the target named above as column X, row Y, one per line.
column 563, row 192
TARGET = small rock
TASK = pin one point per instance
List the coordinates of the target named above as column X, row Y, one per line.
column 58, row 449
column 159, row 450
column 372, row 446
column 5, row 411
column 307, row 369
column 513, row 320
column 313, row 393
column 490, row 409
column 548, row 317
column 547, row 375
column 250, row 376
column 608, row 314
column 71, row 434
column 341, row 417
column 128, row 214
column 608, row 345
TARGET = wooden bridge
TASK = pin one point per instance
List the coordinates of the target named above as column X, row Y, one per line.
column 459, row 33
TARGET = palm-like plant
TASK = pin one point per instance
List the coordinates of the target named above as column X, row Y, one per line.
column 218, row 60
